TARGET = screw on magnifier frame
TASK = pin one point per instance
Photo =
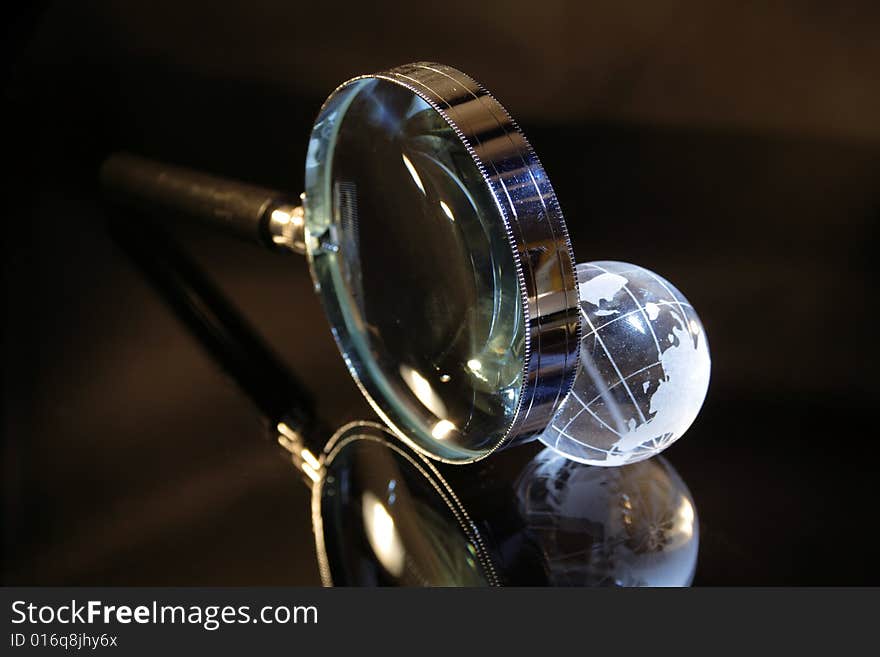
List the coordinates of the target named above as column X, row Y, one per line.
column 286, row 227
column 258, row 214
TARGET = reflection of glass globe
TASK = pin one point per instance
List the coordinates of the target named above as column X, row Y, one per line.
column 644, row 368
column 629, row 526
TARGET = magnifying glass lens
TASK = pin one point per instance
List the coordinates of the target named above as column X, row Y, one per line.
column 415, row 268
column 384, row 522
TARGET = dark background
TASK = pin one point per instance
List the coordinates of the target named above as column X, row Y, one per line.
column 733, row 147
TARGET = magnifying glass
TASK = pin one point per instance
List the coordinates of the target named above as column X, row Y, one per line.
column 440, row 254
column 383, row 514
column 436, row 244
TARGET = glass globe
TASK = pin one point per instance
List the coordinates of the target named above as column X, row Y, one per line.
column 644, row 368
column 630, row 526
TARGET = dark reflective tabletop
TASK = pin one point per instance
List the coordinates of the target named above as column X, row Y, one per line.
column 130, row 458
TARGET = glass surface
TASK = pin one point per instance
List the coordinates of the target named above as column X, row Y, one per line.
column 644, row 368
column 414, row 266
column 386, row 524
column 630, row 526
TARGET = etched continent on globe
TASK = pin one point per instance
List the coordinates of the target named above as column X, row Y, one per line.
column 644, row 368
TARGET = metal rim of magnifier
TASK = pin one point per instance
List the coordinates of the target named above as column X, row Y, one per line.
column 536, row 233
column 365, row 430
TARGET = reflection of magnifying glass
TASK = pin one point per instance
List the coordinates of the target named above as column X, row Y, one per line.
column 383, row 514
column 438, row 249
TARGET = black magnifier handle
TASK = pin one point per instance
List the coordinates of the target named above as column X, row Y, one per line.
column 258, row 214
column 223, row 332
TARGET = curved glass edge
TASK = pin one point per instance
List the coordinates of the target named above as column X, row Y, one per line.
column 326, row 277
